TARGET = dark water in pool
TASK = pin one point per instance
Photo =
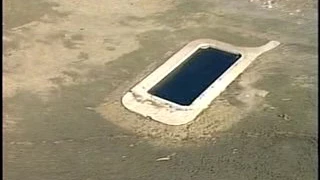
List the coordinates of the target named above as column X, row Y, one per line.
column 184, row 84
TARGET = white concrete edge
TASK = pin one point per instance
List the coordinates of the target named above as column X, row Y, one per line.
column 140, row 101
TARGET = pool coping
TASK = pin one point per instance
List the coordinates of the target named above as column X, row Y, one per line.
column 140, row 101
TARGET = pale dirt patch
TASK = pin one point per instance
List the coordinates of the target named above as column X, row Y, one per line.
column 44, row 50
column 220, row 116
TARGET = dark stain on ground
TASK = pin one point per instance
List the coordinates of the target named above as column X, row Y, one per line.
column 12, row 42
column 57, row 80
column 17, row 13
column 68, row 43
column 77, row 37
column 110, row 48
column 10, row 45
column 83, row 56
column 72, row 74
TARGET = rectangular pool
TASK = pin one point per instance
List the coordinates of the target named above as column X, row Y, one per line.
column 185, row 83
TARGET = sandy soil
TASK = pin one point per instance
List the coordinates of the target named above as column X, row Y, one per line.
column 68, row 63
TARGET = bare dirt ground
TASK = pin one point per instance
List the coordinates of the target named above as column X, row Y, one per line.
column 68, row 63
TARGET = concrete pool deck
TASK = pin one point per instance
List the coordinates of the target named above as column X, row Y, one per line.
column 68, row 63
column 140, row 101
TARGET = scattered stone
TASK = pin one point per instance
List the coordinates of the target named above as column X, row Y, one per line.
column 286, row 99
column 24, row 143
column 90, row 108
column 163, row 159
column 183, row 136
column 268, row 4
column 57, row 142
column 291, row 14
column 131, row 145
column 262, row 93
column 204, row 136
column 253, row 135
column 167, row 158
column 267, row 106
column 285, row 117
column 234, row 151
column 298, row 10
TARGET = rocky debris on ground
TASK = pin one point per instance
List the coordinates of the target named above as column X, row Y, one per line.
column 285, row 117
column 167, row 158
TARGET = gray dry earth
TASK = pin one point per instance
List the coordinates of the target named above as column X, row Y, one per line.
column 67, row 64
